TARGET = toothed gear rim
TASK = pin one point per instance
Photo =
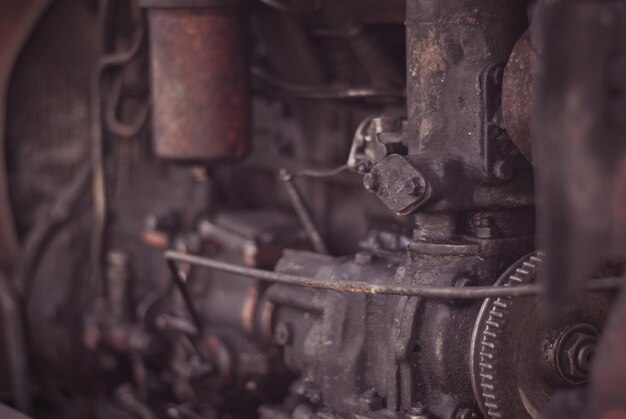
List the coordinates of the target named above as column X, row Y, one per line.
column 509, row 357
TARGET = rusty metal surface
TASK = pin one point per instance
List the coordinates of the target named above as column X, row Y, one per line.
column 200, row 83
column 518, row 85
column 17, row 19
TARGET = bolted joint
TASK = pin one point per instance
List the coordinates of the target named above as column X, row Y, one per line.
column 414, row 186
column 574, row 353
column 416, row 412
column 399, row 184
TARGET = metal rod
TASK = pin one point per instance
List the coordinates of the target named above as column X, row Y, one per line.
column 426, row 291
column 180, row 284
column 303, row 212
column 321, row 173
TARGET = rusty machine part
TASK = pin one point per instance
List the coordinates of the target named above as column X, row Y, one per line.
column 519, row 361
column 518, row 85
column 199, row 70
column 373, row 257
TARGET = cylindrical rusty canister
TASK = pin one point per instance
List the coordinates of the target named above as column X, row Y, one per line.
column 200, row 85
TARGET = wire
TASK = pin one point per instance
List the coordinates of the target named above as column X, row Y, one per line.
column 179, row 281
column 113, row 124
column 426, row 291
column 99, row 188
column 321, row 173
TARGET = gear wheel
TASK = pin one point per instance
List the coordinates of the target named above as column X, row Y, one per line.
column 514, row 357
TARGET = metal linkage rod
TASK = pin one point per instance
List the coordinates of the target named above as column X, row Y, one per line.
column 426, row 291
column 303, row 212
column 179, row 281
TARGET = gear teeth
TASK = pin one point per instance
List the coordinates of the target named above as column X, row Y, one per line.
column 500, row 303
column 492, row 331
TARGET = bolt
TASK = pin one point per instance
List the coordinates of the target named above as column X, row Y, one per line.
column 413, row 187
column 465, row 413
column 282, row 334
column 502, row 170
column 580, row 346
column 416, row 412
column 575, row 353
column 483, row 226
column 585, row 356
column 370, row 182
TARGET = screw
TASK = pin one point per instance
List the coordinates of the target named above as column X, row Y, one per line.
column 282, row 334
column 502, row 170
column 370, row 182
column 413, row 187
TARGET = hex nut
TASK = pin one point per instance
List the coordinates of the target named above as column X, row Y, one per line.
column 574, row 353
column 413, row 187
column 576, row 345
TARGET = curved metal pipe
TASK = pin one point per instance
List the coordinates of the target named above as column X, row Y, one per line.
column 426, row 291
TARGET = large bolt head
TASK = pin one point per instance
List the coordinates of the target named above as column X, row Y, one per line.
column 575, row 354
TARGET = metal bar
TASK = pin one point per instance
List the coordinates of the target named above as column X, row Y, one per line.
column 180, row 284
column 426, row 291
column 303, row 213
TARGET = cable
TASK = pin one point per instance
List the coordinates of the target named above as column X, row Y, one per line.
column 426, row 291
column 113, row 124
column 320, row 173
column 99, row 188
